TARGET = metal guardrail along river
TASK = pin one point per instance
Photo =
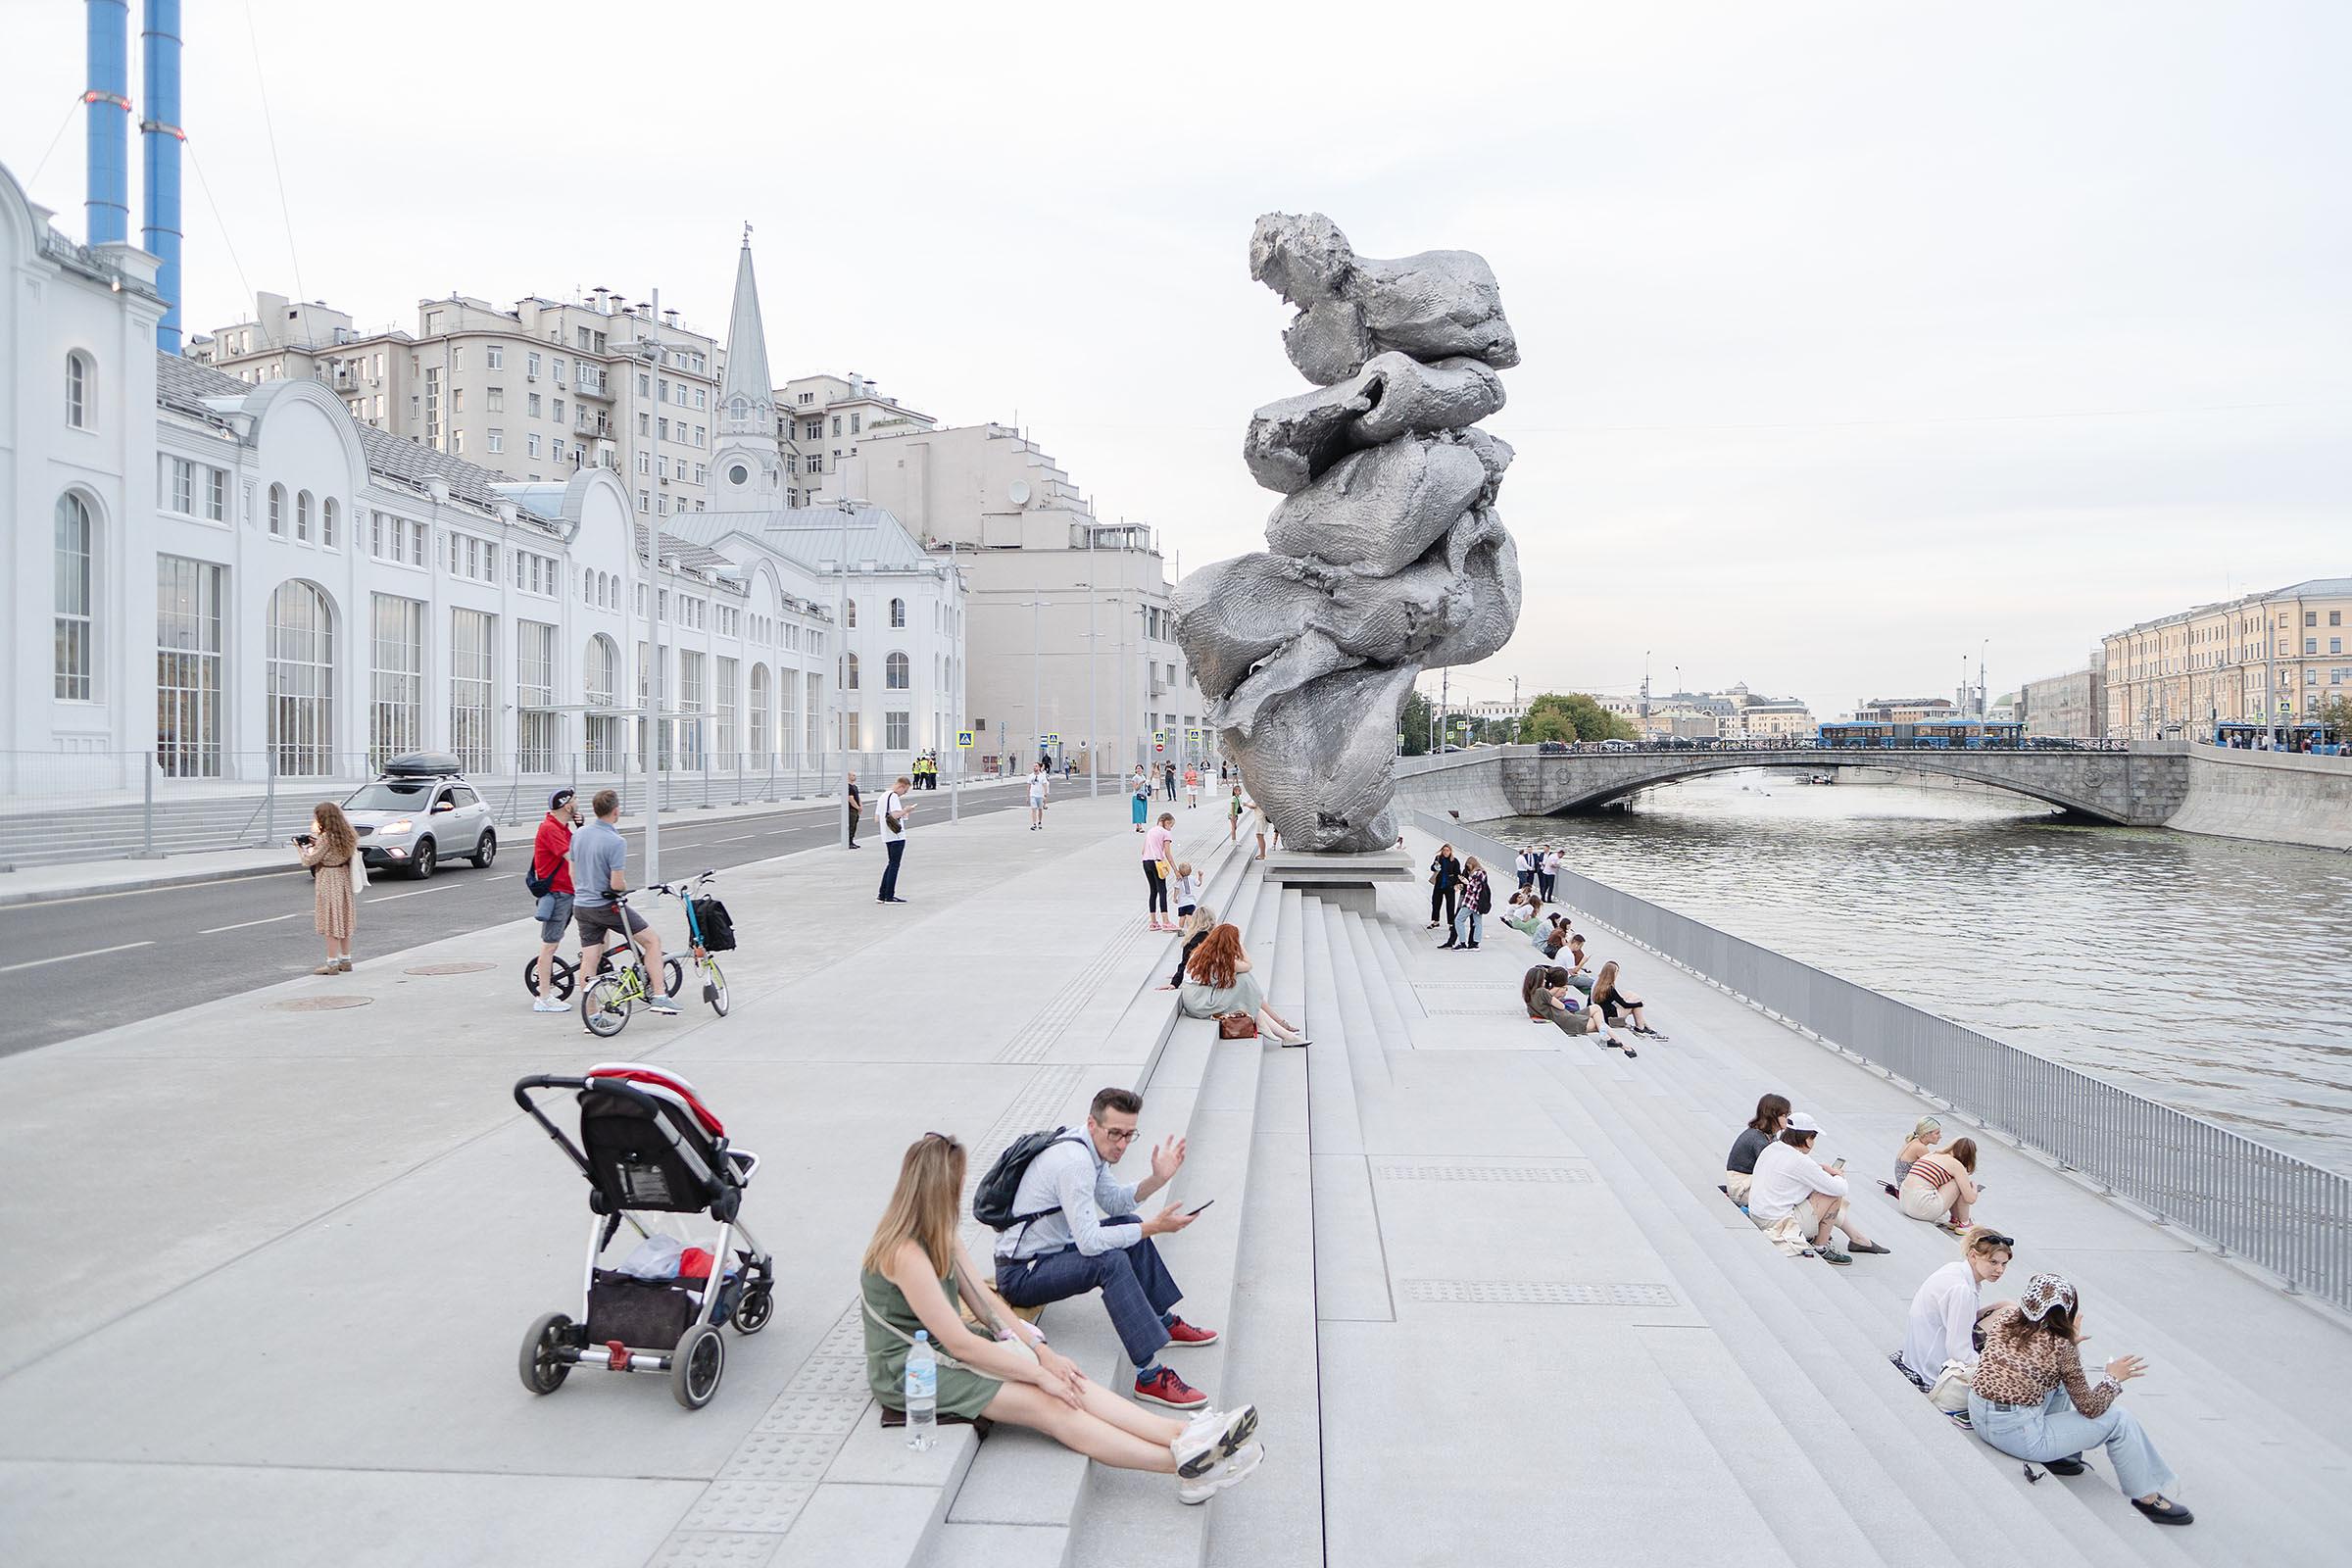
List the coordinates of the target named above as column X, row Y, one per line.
column 2283, row 1215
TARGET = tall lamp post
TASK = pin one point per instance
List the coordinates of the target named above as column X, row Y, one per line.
column 648, row 348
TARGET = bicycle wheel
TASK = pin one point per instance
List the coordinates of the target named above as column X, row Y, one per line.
column 674, row 974
column 605, row 1006
column 559, row 973
column 714, row 985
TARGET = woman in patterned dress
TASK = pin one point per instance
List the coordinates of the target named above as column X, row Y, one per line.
column 329, row 849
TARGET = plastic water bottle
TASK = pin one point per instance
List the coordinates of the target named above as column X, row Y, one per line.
column 922, row 1391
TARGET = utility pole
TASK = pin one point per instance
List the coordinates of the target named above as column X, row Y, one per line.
column 954, row 689
column 649, row 348
column 1444, row 702
column 1093, row 740
column 841, row 685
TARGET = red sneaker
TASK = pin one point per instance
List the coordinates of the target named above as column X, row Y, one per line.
column 1182, row 1333
column 1165, row 1387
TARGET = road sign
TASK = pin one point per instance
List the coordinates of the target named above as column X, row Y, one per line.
column 963, row 739
column 1048, row 739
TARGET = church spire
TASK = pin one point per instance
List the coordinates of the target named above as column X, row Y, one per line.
column 747, row 460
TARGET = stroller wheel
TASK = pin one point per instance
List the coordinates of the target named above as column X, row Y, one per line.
column 541, row 1364
column 752, row 1313
column 697, row 1365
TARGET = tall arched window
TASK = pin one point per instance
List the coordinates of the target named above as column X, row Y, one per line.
column 760, row 746
column 302, row 515
column 80, row 384
column 327, row 522
column 898, row 612
column 76, row 544
column 848, row 682
column 849, row 612
column 301, row 679
column 895, row 673
column 600, row 676
column 278, row 509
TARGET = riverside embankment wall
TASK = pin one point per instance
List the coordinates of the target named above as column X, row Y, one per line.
column 2275, row 797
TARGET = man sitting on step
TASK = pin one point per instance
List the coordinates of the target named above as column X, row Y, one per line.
column 1790, row 1185
column 1086, row 1236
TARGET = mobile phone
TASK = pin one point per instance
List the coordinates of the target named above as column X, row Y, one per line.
column 1838, row 1164
column 1192, row 1212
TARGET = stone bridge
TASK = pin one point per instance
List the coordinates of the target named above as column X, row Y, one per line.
column 2138, row 788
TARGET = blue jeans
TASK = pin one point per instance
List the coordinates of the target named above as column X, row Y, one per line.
column 2056, row 1430
column 1466, row 918
column 894, row 847
column 1135, row 1287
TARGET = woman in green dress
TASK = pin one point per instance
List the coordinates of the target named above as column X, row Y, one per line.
column 1217, row 982
column 911, row 1273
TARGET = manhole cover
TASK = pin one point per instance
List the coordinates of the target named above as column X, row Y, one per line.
column 450, row 969
column 322, row 1003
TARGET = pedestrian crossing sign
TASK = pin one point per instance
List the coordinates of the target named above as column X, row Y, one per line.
column 1048, row 739
column 963, row 739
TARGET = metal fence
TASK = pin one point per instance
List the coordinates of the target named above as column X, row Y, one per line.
column 2284, row 1214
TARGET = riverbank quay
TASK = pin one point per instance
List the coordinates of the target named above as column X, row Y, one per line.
column 2271, row 796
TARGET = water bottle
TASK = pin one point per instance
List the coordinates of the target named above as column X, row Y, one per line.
column 922, row 1392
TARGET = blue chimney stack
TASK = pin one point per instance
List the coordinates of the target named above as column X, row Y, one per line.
column 160, row 136
column 106, row 105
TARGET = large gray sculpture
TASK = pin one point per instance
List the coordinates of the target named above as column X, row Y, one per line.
column 1388, row 555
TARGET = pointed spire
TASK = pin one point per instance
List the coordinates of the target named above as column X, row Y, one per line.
column 747, row 377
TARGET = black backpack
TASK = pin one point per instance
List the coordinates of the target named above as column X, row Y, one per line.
column 992, row 1199
column 1486, row 896
column 718, row 930
column 539, row 887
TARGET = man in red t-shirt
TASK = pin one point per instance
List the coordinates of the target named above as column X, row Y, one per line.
column 550, row 864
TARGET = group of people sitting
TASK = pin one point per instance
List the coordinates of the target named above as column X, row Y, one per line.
column 1213, row 975
column 2012, row 1371
column 1076, row 1229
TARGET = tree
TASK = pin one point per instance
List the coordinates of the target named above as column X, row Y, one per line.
column 1414, row 723
column 2335, row 713
column 1574, row 717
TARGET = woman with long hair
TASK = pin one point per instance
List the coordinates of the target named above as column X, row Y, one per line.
column 1940, row 1186
column 2029, row 1400
column 1926, row 1134
column 1467, row 916
column 1217, row 983
column 1548, row 998
column 328, row 848
column 1617, row 1006
column 1194, row 929
column 917, row 1276
column 1945, row 1313
column 1445, row 882
column 1740, row 1165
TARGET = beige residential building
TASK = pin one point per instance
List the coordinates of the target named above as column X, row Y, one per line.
column 2269, row 656
column 534, row 393
column 1904, row 710
column 823, row 419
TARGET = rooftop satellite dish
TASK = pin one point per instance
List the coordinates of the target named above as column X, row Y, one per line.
column 1019, row 493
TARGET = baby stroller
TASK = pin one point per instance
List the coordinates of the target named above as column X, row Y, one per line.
column 648, row 1145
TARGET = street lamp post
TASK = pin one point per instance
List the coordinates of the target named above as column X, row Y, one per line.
column 648, row 348
column 841, row 683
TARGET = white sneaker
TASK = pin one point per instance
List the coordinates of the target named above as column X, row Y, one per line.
column 1211, row 1436
column 548, row 1004
column 1231, row 1472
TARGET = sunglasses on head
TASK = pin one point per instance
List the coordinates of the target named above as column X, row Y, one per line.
column 1997, row 1240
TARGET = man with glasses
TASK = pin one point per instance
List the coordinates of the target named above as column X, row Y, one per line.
column 1077, row 1230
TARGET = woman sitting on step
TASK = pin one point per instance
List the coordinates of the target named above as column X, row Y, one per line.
column 1924, row 1137
column 1616, row 1006
column 2031, row 1400
column 1740, row 1165
column 917, row 1277
column 1194, row 929
column 1940, row 1186
column 1217, row 984
column 1942, row 1332
column 1549, row 999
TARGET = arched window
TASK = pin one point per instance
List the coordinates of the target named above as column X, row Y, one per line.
column 302, row 515
column 760, row 746
column 848, row 614
column 600, row 675
column 895, row 671
column 278, row 509
column 849, row 677
column 302, row 680
column 327, row 522
column 587, row 587
column 80, row 384
column 898, row 612
column 76, row 544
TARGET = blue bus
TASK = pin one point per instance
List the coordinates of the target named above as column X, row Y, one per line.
column 1929, row 734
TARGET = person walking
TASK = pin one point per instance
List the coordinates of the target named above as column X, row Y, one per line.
column 1191, row 787
column 1159, row 851
column 1444, row 883
column 550, row 871
column 330, row 849
column 855, row 805
column 1139, row 794
column 1234, row 806
column 1038, row 789
column 600, row 858
column 895, row 811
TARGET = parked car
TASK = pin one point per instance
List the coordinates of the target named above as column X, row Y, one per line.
column 421, row 812
column 1617, row 746
column 1552, row 748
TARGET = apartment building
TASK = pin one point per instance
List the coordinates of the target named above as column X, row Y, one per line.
column 2273, row 656
column 2072, row 706
column 822, row 419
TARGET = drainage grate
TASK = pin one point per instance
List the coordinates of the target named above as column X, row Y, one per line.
column 1530, row 1293
column 1484, row 1173
column 318, row 1003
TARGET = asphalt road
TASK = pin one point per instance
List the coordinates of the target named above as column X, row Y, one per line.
column 77, row 965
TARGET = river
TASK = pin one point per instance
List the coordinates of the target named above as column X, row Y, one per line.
column 2209, row 973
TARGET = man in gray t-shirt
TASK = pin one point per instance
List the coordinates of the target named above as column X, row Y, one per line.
column 600, row 860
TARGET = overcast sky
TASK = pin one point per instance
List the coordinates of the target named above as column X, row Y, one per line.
column 1854, row 334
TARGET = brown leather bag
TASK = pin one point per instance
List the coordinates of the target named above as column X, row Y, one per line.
column 1236, row 1026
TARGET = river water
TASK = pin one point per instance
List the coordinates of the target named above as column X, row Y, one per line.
column 2211, row 974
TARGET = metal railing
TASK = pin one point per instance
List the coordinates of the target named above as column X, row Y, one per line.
column 2281, row 1214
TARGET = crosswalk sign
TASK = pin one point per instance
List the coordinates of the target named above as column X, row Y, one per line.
column 963, row 739
column 1048, row 739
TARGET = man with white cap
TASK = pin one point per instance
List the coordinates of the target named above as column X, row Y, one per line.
column 1790, row 1184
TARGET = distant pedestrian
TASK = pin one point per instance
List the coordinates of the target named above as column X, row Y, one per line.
column 550, row 879
column 1191, row 788
column 1039, row 788
column 1527, row 868
column 1548, row 872
column 1234, row 806
column 330, row 849
column 1444, row 884
column 1159, row 845
column 894, row 811
column 1167, row 774
column 1139, row 799
column 855, row 805
column 1477, row 901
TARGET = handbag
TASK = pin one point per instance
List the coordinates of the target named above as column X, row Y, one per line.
column 1236, row 1026
column 1949, row 1392
column 359, row 873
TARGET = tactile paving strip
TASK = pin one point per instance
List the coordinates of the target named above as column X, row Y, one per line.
column 1052, row 1020
column 1484, row 1173
column 1535, row 1292
column 712, row 1548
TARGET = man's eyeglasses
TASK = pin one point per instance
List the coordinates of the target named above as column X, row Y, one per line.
column 1118, row 1137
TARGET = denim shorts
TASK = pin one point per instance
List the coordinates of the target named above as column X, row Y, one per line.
column 554, row 913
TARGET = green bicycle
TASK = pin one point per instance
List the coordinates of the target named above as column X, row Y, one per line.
column 606, row 1003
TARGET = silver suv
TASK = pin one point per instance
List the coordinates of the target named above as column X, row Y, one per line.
column 409, row 822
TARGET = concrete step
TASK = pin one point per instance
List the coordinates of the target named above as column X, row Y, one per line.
column 1351, row 1278
column 1372, row 974
column 1391, row 944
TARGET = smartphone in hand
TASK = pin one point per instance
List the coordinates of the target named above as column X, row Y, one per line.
column 1193, row 1214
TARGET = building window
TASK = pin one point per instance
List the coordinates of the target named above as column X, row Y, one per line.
column 848, row 674
column 327, row 522
column 75, row 541
column 898, row 612
column 396, row 699
column 895, row 673
column 80, row 385
column 302, row 515
column 301, row 680
column 598, row 681
column 535, row 697
column 278, row 509
column 849, row 612
column 690, row 707
column 498, row 440
column 471, row 656
column 898, row 732
column 187, row 667
column 530, row 443
column 495, row 356
column 727, row 739
column 760, row 746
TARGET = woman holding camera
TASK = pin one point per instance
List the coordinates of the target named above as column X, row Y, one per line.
column 329, row 849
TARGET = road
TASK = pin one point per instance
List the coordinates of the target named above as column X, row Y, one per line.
column 79, row 965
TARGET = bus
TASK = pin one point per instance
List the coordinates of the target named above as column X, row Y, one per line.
column 1933, row 734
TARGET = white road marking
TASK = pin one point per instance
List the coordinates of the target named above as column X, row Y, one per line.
column 737, row 839
column 66, row 956
column 392, row 898
column 242, row 924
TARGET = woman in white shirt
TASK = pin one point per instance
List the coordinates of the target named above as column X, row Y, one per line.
column 1943, row 1314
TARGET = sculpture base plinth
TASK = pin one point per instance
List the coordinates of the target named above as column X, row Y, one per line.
column 1346, row 881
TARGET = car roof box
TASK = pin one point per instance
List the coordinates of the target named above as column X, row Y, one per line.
column 423, row 764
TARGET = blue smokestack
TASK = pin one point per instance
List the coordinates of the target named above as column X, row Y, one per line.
column 106, row 105
column 161, row 136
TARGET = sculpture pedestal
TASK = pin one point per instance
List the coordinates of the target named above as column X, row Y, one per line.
column 1346, row 881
